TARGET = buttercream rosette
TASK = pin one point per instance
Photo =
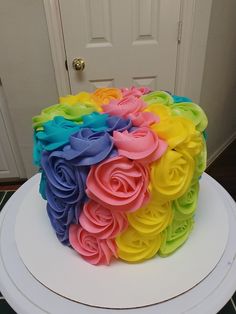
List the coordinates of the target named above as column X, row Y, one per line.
column 120, row 170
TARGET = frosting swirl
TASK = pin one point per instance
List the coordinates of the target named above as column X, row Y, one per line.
column 65, row 191
column 162, row 111
column 63, row 179
column 61, row 215
column 83, row 97
column 180, row 134
column 115, row 123
column 178, row 99
column 158, row 97
column 175, row 235
column 88, row 148
column 73, row 113
column 201, row 162
column 133, row 247
column 185, row 206
column 119, row 184
column 125, row 107
column 55, row 134
column 141, row 144
column 151, row 219
column 101, row 221
column 103, row 96
column 134, row 91
column 95, row 121
column 143, row 118
column 94, row 250
column 192, row 112
column 171, row 175
column 42, row 185
column 144, row 90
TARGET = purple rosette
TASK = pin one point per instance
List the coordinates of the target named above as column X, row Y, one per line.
column 115, row 123
column 65, row 192
column 61, row 215
column 88, row 147
column 55, row 135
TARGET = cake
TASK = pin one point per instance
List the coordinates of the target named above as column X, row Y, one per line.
column 120, row 171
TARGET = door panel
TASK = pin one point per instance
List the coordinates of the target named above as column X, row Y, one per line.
column 7, row 163
column 123, row 43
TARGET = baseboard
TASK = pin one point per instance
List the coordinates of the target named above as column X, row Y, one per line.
column 221, row 149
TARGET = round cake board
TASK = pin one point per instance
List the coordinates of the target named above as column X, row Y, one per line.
column 121, row 285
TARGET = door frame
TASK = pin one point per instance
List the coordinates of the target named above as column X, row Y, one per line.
column 192, row 34
column 56, row 39
column 10, row 139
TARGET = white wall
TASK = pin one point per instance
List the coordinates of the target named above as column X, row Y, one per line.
column 218, row 95
column 26, row 69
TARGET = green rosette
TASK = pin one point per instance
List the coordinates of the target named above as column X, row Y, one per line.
column 158, row 97
column 184, row 207
column 69, row 112
column 175, row 236
column 201, row 162
column 46, row 114
column 192, row 112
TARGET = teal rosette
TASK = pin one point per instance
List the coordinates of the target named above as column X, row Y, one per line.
column 55, row 135
column 42, row 185
column 178, row 99
column 56, row 132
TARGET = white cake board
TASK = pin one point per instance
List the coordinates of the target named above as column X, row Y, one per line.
column 120, row 285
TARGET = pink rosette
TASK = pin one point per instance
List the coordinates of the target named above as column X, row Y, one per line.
column 145, row 90
column 101, row 221
column 142, row 145
column 124, row 107
column 134, row 91
column 94, row 250
column 119, row 184
column 143, row 118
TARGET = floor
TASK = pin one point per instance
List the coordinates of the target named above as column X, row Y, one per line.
column 223, row 170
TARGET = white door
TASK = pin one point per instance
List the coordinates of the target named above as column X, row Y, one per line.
column 123, row 42
column 8, row 167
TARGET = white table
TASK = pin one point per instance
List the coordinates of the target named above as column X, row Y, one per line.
column 27, row 296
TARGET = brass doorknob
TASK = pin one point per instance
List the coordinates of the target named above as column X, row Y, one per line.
column 78, row 64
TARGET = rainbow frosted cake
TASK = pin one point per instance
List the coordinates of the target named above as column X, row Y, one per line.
column 120, row 171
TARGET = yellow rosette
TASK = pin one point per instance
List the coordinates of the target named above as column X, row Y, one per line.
column 151, row 219
column 102, row 96
column 134, row 247
column 201, row 162
column 180, row 134
column 192, row 112
column 83, row 98
column 162, row 111
column 172, row 174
